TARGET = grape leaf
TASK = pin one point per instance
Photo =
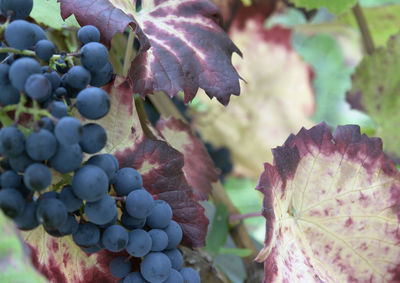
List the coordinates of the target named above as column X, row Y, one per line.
column 161, row 166
column 15, row 265
column 47, row 12
column 331, row 204
column 375, row 91
column 62, row 261
column 183, row 48
column 199, row 168
column 336, row 7
column 278, row 95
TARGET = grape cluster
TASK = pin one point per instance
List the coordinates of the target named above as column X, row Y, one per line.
column 44, row 180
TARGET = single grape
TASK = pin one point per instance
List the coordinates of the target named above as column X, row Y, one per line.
column 175, row 257
column 60, row 92
column 139, row 243
column 87, row 234
column 160, row 216
column 68, row 130
column 93, row 103
column 4, row 69
column 9, row 95
column 190, row 275
column 58, row 109
column 101, row 77
column 69, row 227
column 37, row 177
column 18, row 9
column 70, row 200
column 38, row 87
column 44, row 49
column 115, row 238
column 155, row 267
column 174, row 277
column 20, row 162
column 94, row 56
column 67, row 158
column 105, row 161
column 127, row 180
column 174, row 232
column 41, row 145
column 78, row 77
column 94, row 138
column 132, row 223
column 139, row 203
column 52, row 213
column 27, row 220
column 21, row 69
column 134, row 277
column 88, row 34
column 102, row 211
column 10, row 179
column 90, row 183
column 20, row 34
column 120, row 267
column 12, row 141
column 39, row 33
column 11, row 202
column 46, row 123
column 159, row 240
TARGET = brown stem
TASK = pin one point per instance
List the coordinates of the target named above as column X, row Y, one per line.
column 364, row 29
column 237, row 217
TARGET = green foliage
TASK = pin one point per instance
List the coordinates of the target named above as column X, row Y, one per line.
column 336, row 6
column 47, row 12
column 376, row 89
column 217, row 237
column 383, row 21
column 14, row 261
column 332, row 79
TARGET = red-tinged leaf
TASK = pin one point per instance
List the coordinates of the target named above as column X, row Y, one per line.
column 62, row 261
column 161, row 165
column 278, row 96
column 332, row 209
column 199, row 168
column 183, row 48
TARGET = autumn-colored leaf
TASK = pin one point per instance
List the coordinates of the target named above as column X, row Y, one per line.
column 375, row 91
column 199, row 168
column 278, row 96
column 62, row 261
column 331, row 204
column 183, row 48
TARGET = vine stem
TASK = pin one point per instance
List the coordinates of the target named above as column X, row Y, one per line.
column 364, row 29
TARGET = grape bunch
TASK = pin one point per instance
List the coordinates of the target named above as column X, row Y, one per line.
column 44, row 179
